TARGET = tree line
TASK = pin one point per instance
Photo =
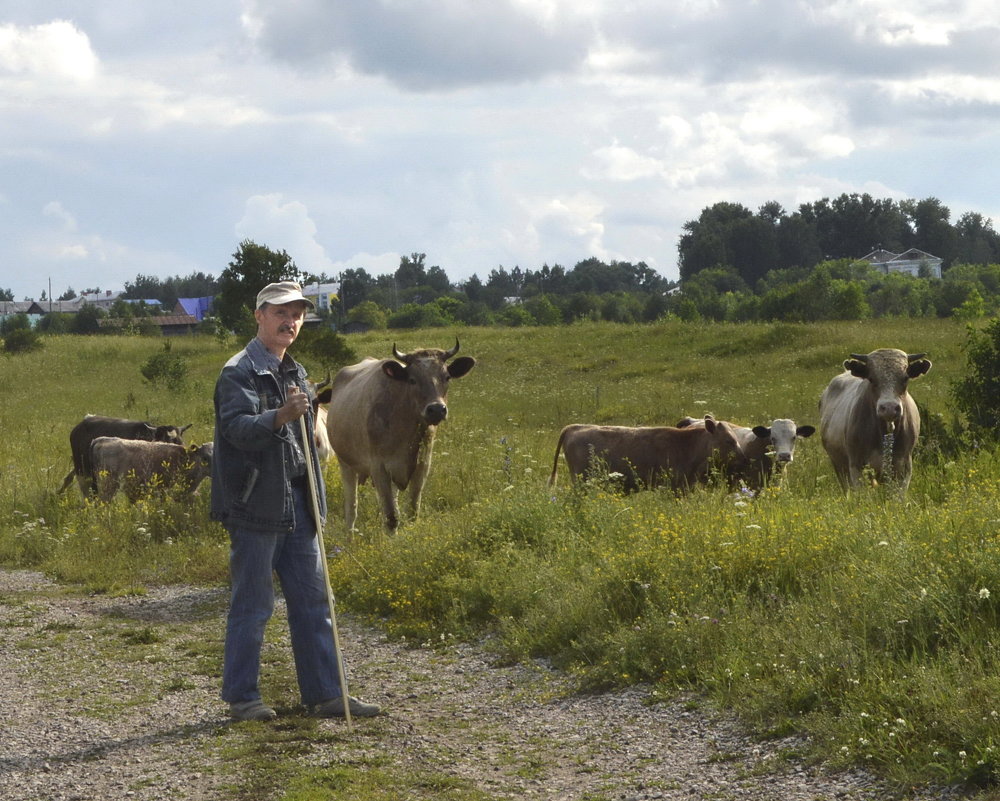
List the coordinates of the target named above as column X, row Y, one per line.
column 735, row 265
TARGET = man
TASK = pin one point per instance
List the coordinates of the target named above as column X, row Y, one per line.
column 260, row 493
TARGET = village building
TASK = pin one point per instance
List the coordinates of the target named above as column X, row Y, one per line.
column 913, row 262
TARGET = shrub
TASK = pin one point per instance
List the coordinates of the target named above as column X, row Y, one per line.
column 165, row 367
column 977, row 395
column 21, row 340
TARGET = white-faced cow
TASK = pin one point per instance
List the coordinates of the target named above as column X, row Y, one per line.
column 140, row 467
column 383, row 415
column 863, row 406
column 764, row 447
column 649, row 456
column 93, row 426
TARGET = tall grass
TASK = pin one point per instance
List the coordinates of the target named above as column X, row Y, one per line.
column 866, row 622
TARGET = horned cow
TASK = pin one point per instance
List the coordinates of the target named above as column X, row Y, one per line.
column 649, row 456
column 866, row 404
column 139, row 467
column 383, row 416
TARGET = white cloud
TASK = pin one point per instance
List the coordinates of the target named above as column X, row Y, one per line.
column 55, row 210
column 54, row 50
column 270, row 221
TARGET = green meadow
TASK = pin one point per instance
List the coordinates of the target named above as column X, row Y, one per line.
column 866, row 623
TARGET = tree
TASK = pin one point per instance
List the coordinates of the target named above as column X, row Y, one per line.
column 253, row 267
column 369, row 314
column 6, row 294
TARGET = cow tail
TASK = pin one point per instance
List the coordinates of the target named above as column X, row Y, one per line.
column 555, row 461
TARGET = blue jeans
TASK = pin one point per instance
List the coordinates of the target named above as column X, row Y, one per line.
column 295, row 557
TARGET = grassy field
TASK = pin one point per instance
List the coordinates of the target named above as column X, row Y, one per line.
column 866, row 623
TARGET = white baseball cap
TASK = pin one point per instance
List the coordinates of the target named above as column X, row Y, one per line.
column 282, row 292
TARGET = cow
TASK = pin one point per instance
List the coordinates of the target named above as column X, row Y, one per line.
column 648, row 456
column 764, row 447
column 383, row 416
column 141, row 467
column 866, row 410
column 93, row 426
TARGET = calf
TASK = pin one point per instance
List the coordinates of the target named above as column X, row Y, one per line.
column 141, row 467
column 648, row 456
column 759, row 443
column 93, row 426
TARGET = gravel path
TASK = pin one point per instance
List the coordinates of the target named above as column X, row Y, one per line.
column 117, row 698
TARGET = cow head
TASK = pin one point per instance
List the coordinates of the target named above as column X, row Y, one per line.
column 428, row 373
column 170, row 434
column 782, row 435
column 889, row 371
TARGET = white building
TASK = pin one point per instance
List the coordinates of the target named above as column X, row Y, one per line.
column 324, row 296
column 910, row 261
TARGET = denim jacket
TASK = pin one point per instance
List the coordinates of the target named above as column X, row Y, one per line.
column 253, row 465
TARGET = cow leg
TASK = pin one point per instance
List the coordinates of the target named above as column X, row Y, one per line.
column 349, row 480
column 386, row 490
column 417, row 481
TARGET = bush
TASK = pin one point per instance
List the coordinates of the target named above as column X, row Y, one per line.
column 21, row 340
column 329, row 347
column 977, row 395
column 165, row 367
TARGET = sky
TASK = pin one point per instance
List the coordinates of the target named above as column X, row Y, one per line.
column 151, row 139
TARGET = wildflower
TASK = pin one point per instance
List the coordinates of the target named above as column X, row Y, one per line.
column 984, row 594
column 882, row 543
column 753, row 526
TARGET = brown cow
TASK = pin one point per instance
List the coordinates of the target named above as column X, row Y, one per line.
column 864, row 406
column 648, row 456
column 93, row 426
column 141, row 467
column 764, row 447
column 383, row 416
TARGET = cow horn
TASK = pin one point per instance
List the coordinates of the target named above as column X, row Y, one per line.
column 912, row 357
column 324, row 383
column 860, row 357
column 449, row 353
column 396, row 354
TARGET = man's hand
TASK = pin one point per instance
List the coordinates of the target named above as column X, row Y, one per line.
column 293, row 408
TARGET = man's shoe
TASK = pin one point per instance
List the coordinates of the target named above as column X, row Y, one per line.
column 334, row 708
column 252, row 710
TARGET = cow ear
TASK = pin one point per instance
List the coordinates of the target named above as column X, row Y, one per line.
column 710, row 424
column 761, row 432
column 461, row 366
column 394, row 369
column 684, row 422
column 805, row 431
column 918, row 368
column 856, row 368
column 192, row 448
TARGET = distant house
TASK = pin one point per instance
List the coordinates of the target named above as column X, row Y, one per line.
column 196, row 307
column 31, row 308
column 323, row 295
column 103, row 300
column 169, row 324
column 911, row 261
